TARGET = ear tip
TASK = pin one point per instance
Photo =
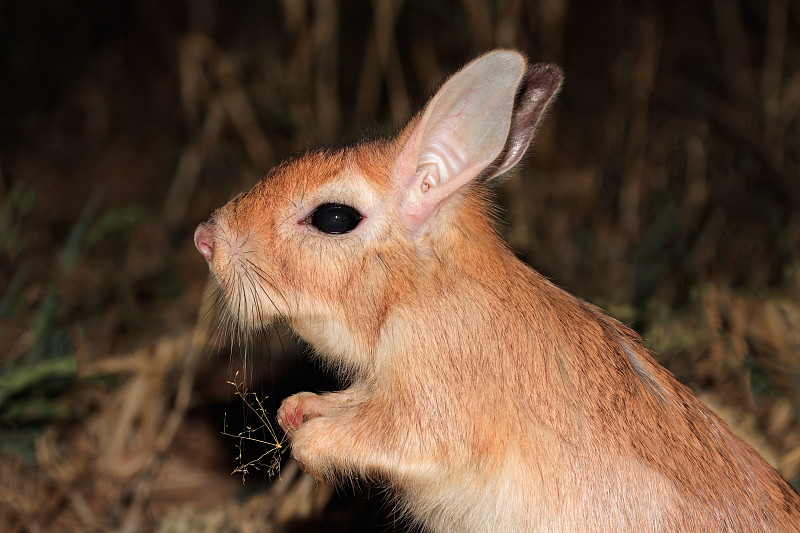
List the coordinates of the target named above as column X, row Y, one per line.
column 550, row 70
column 545, row 75
column 503, row 57
column 503, row 52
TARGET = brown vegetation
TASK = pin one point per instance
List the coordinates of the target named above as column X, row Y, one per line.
column 665, row 187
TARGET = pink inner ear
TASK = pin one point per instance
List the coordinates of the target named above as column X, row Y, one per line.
column 462, row 130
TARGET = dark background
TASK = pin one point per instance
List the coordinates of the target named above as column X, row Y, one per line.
column 663, row 186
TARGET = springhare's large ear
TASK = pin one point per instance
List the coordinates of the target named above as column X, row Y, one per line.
column 478, row 125
column 537, row 88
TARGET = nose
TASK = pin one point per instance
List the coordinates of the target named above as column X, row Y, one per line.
column 204, row 240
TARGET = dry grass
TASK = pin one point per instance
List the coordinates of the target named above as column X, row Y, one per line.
column 664, row 186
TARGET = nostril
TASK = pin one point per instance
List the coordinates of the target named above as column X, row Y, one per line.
column 204, row 240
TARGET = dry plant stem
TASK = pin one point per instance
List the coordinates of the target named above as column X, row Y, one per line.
column 143, row 485
column 369, row 82
column 274, row 446
column 480, row 17
column 790, row 101
column 325, row 32
column 381, row 64
column 506, row 28
column 696, row 170
column 240, row 112
column 736, row 121
column 644, row 71
column 194, row 52
column 772, row 76
column 735, row 50
column 384, row 13
column 426, row 63
column 83, row 510
column 295, row 14
column 314, row 62
column 228, row 102
column 190, row 164
column 300, row 66
column 553, row 15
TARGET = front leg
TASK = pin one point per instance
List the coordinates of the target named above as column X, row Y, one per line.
column 346, row 434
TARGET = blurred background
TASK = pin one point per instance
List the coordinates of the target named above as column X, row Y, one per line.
column 664, row 186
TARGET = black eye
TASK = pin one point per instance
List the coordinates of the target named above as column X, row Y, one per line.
column 335, row 218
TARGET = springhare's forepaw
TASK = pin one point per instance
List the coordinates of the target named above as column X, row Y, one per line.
column 297, row 409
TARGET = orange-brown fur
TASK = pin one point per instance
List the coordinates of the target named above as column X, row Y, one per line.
column 484, row 396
